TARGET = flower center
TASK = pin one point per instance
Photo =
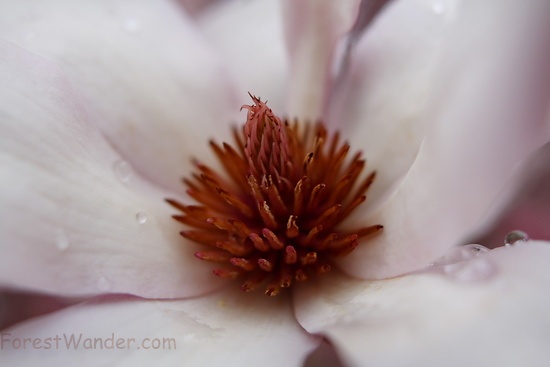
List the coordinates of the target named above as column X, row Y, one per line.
column 274, row 216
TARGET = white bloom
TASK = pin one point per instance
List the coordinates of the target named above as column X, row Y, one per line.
column 445, row 99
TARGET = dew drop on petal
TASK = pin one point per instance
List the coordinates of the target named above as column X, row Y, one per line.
column 460, row 253
column 123, row 170
column 141, row 217
column 103, row 284
column 62, row 241
column 515, row 237
column 470, row 271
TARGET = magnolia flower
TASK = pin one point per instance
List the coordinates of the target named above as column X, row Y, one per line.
column 103, row 105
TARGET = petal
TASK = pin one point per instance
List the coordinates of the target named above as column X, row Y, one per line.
column 16, row 307
column 228, row 328
column 248, row 37
column 195, row 7
column 69, row 221
column 436, row 320
column 312, row 30
column 530, row 209
column 159, row 91
column 488, row 114
column 323, row 356
column 380, row 104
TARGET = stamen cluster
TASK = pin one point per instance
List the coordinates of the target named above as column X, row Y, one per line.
column 273, row 217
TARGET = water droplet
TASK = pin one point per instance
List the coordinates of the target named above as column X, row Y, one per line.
column 61, row 241
column 141, row 217
column 438, row 7
column 103, row 284
column 470, row 271
column 123, row 170
column 515, row 237
column 132, row 24
column 460, row 253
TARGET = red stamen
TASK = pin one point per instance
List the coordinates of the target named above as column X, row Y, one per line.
column 273, row 213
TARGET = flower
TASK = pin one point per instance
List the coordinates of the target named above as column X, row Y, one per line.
column 445, row 99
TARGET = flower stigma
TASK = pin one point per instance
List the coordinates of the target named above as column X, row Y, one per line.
column 274, row 216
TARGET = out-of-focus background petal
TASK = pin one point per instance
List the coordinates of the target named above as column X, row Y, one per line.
column 313, row 29
column 487, row 115
column 247, row 36
column 529, row 211
column 380, row 103
column 159, row 91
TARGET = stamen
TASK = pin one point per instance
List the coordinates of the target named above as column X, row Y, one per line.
column 253, row 282
column 290, row 255
column 299, row 196
column 267, row 216
column 259, row 243
column 300, row 276
column 234, row 248
column 217, row 256
column 277, row 203
column 227, row 274
column 273, row 240
column 309, row 258
column 203, row 237
column 243, row 263
column 273, row 214
column 292, row 229
column 265, row 265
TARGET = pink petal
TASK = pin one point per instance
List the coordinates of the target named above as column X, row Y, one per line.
column 195, row 7
column 381, row 102
column 17, row 306
column 487, row 114
column 69, row 222
column 160, row 93
column 323, row 356
column 312, row 31
column 248, row 37
column 437, row 320
column 226, row 328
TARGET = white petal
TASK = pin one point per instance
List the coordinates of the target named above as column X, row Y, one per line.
column 440, row 321
column 530, row 209
column 488, row 114
column 68, row 218
column 228, row 328
column 159, row 91
column 248, row 36
column 313, row 29
column 381, row 102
